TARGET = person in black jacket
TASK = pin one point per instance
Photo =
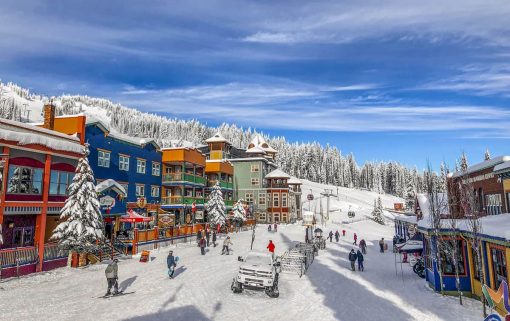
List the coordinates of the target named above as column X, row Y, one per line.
column 360, row 261
column 202, row 244
column 170, row 262
column 214, row 237
column 352, row 259
column 330, row 236
column 199, row 236
column 207, row 236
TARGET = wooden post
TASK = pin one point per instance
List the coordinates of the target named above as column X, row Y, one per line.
column 135, row 241
column 3, row 188
column 40, row 225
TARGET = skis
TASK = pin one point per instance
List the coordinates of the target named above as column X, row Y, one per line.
column 120, row 293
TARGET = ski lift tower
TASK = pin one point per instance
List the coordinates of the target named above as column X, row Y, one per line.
column 327, row 193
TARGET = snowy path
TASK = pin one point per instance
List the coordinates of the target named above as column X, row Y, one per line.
column 201, row 289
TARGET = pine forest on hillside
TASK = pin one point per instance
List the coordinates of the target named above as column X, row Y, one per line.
column 330, row 166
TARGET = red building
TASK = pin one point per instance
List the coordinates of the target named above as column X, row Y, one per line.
column 283, row 197
column 37, row 165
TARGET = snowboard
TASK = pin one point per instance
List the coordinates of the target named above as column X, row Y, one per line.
column 121, row 293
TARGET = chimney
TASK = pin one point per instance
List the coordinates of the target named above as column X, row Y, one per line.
column 49, row 116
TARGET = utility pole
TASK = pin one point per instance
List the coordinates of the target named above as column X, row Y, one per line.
column 327, row 193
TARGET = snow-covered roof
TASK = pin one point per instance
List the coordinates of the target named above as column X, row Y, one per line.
column 502, row 167
column 277, row 173
column 111, row 184
column 294, row 181
column 483, row 165
column 255, row 150
column 411, row 219
column 26, row 134
column 217, row 138
column 424, row 203
column 260, row 142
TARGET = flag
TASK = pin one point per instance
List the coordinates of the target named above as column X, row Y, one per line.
column 193, row 207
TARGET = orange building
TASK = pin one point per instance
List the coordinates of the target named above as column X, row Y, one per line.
column 36, row 168
column 218, row 169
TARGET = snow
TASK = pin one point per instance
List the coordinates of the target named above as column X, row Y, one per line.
column 294, row 181
column 502, row 166
column 255, row 150
column 109, row 183
column 483, row 165
column 25, row 134
column 424, row 202
column 277, row 173
column 201, row 287
column 217, row 138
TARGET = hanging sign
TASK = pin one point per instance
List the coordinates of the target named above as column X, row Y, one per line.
column 309, row 197
column 141, row 202
column 199, row 215
column 107, row 201
column 167, row 219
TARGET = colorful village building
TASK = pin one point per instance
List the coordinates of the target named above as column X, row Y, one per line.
column 36, row 167
column 219, row 169
column 283, row 201
column 184, row 184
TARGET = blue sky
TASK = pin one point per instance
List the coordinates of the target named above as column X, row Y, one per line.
column 395, row 80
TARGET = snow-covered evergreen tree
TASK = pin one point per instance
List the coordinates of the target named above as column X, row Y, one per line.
column 377, row 213
column 463, row 162
column 239, row 211
column 410, row 197
column 487, row 155
column 82, row 223
column 216, row 206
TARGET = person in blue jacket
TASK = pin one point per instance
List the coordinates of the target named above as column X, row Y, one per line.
column 170, row 262
column 360, row 261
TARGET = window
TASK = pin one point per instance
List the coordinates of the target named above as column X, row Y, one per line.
column 262, row 216
column 493, row 202
column 23, row 236
column 140, row 166
column 156, row 169
column 123, row 163
column 59, row 182
column 126, row 187
column 140, row 190
column 284, row 199
column 276, row 217
column 476, row 266
column 498, row 266
column 25, row 180
column 446, row 260
column 255, row 181
column 284, row 217
column 155, row 191
column 248, row 198
column 255, row 168
column 276, row 199
column 103, row 158
column 262, row 199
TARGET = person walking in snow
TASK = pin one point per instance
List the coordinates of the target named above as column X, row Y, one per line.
column 343, row 233
column 330, row 236
column 381, row 245
column 355, row 239
column 337, row 236
column 170, row 262
column 202, row 244
column 359, row 256
column 269, row 228
column 226, row 243
column 271, row 247
column 207, row 235
column 275, row 227
column 112, row 277
column 352, row 259
column 199, row 236
column 363, row 246
column 214, row 238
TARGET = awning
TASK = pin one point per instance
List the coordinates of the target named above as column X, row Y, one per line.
column 411, row 246
column 133, row 217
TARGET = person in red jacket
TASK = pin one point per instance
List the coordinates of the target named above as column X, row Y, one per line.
column 271, row 247
column 355, row 239
column 343, row 232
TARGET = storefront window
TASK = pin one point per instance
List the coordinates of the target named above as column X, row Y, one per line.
column 446, row 257
column 494, row 204
column 498, row 266
column 59, row 182
column 476, row 265
column 428, row 254
column 25, row 180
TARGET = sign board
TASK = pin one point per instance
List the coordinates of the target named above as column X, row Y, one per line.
column 144, row 257
column 308, row 218
column 141, row 202
column 309, row 197
column 351, row 214
column 167, row 219
column 199, row 215
column 107, row 201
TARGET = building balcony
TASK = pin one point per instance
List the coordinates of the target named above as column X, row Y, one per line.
column 183, row 178
column 181, row 200
column 223, row 184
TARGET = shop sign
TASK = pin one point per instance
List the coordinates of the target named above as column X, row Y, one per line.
column 199, row 215
column 478, row 178
column 107, row 201
column 309, row 197
column 141, row 202
column 494, row 297
column 167, row 219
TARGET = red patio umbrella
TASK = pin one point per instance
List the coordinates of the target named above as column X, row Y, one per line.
column 133, row 217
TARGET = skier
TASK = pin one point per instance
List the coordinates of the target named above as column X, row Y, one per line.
column 337, row 236
column 352, row 259
column 112, row 277
column 226, row 243
column 214, row 238
column 363, row 246
column 275, row 227
column 207, row 235
column 271, row 247
column 359, row 255
column 355, row 239
column 170, row 262
column 202, row 244
column 269, row 228
column 343, row 232
column 330, row 236
column 381, row 245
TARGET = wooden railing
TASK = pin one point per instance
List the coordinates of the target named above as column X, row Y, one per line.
column 172, row 200
column 183, row 177
column 18, row 256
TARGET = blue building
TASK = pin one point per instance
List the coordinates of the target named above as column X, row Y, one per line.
column 127, row 171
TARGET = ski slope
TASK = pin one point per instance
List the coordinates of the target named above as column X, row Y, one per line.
column 201, row 287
